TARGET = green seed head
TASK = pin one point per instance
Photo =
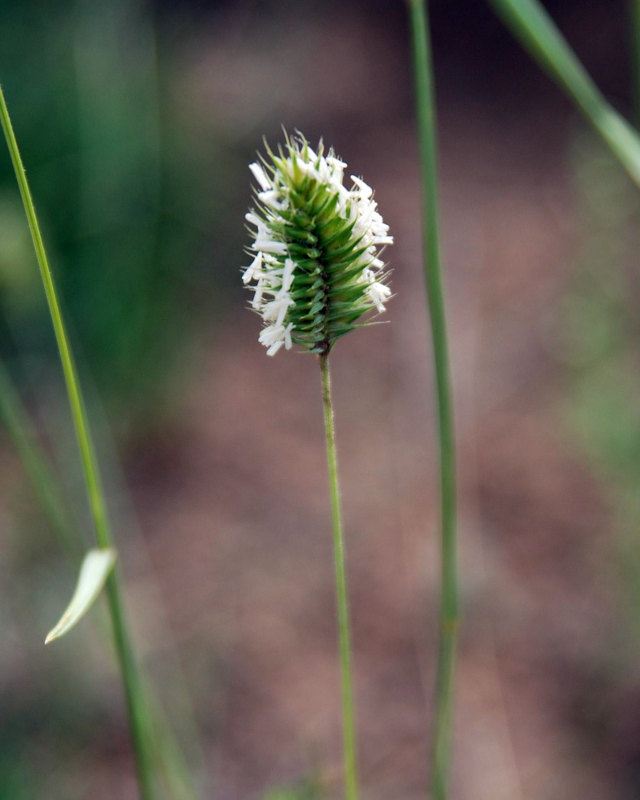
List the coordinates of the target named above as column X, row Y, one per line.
column 316, row 270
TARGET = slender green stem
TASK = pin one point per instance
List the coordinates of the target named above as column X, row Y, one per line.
column 139, row 721
column 348, row 717
column 536, row 31
column 449, row 583
column 40, row 471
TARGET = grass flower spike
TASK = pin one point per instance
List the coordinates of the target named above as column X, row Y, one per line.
column 316, row 269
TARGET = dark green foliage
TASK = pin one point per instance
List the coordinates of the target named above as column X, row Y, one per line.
column 110, row 171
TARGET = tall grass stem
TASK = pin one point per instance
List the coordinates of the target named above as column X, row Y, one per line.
column 447, row 640
column 139, row 721
column 348, row 716
column 40, row 471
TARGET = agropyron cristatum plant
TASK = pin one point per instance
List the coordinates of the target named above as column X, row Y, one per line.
column 316, row 274
column 316, row 269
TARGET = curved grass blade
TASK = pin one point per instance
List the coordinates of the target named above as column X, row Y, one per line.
column 95, row 568
column 536, row 31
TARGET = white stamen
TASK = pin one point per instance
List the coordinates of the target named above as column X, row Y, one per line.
column 365, row 190
column 260, row 175
column 271, row 198
column 254, row 270
column 275, row 310
column 287, row 274
column 379, row 293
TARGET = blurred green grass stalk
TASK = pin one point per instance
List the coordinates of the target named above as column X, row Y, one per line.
column 447, row 644
column 140, row 724
column 38, row 468
column 536, row 31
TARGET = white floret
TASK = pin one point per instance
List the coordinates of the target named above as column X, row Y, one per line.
column 260, row 175
column 276, row 309
column 378, row 294
column 254, row 271
column 274, row 336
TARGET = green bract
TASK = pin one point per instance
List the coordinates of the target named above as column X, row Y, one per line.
column 316, row 269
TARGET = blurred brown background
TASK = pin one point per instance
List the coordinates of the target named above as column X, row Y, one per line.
column 136, row 124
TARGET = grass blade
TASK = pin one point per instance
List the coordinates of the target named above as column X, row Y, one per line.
column 536, row 31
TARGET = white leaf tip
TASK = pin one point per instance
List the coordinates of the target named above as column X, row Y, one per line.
column 94, row 570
